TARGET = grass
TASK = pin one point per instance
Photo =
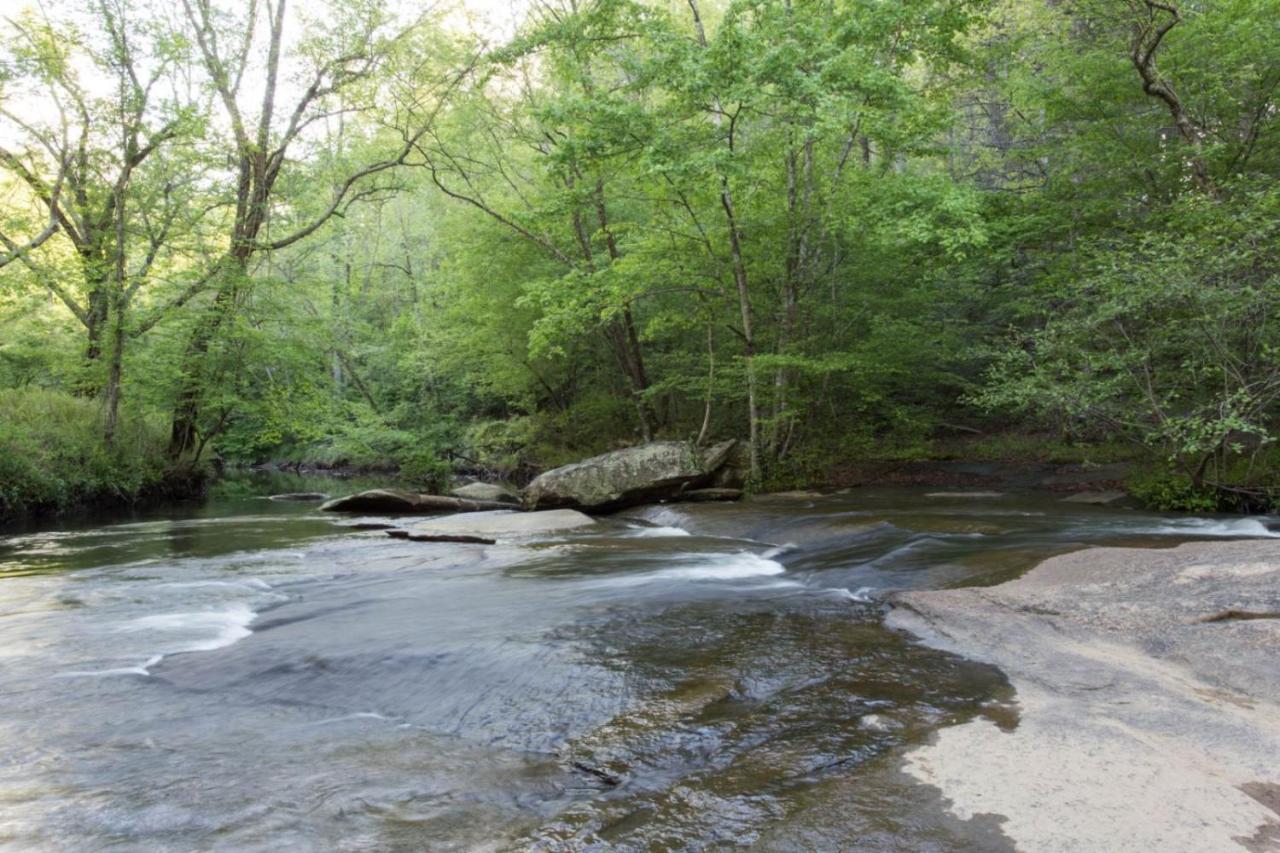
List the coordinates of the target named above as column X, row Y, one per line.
column 53, row 458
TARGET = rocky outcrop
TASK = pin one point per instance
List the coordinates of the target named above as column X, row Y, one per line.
column 1148, row 692
column 402, row 501
column 486, row 492
column 660, row 470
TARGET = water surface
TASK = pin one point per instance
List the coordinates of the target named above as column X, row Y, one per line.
column 252, row 674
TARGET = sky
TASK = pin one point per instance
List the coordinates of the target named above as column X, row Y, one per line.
column 495, row 19
column 497, row 16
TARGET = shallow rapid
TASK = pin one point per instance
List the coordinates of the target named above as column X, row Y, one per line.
column 257, row 675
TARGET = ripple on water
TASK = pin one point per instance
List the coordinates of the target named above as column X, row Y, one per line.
column 624, row 688
column 199, row 631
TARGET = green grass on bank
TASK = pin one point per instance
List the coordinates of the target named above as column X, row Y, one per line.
column 52, row 456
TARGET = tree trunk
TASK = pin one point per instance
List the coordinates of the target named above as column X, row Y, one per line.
column 97, row 322
column 186, row 413
column 748, row 335
column 115, row 370
column 739, row 278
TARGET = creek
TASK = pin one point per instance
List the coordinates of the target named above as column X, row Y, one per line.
column 252, row 674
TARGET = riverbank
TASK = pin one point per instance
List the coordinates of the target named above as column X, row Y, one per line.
column 1149, row 688
column 54, row 461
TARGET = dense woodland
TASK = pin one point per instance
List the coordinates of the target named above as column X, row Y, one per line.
column 347, row 233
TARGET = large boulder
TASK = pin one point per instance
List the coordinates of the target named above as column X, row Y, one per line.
column 736, row 469
column 401, row 501
column 486, row 492
column 660, row 470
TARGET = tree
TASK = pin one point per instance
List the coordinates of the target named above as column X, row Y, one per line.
column 338, row 66
column 88, row 156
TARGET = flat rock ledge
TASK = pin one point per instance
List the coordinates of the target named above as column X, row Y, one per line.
column 1148, row 683
column 500, row 523
column 405, row 502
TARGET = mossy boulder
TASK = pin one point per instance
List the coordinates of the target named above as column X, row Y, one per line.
column 660, row 470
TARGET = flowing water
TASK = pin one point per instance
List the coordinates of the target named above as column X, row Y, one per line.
column 256, row 675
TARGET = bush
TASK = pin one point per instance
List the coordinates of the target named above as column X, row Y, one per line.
column 1169, row 492
column 52, row 456
column 426, row 470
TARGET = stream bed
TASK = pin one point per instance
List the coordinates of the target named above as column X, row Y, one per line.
column 257, row 675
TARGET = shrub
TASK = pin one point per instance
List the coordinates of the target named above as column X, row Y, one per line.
column 1170, row 492
column 423, row 468
column 52, row 455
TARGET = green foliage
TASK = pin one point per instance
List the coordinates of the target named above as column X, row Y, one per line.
column 1164, row 338
column 52, row 456
column 864, row 229
column 423, row 469
column 1172, row 492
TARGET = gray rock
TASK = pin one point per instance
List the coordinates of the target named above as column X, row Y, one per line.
column 502, row 523
column 300, row 496
column 651, row 472
column 1142, row 676
column 375, row 500
column 401, row 501
column 734, row 472
column 486, row 492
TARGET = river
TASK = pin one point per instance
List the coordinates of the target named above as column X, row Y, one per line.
column 256, row 675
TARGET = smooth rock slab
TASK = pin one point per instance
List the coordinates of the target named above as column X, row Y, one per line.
column 503, row 523
column 400, row 500
column 486, row 492
column 1149, row 696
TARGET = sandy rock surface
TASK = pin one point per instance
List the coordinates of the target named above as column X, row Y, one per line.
column 1148, row 683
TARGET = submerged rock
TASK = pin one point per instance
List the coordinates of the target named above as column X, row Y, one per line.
column 502, row 523
column 660, row 470
column 402, row 501
column 486, row 492
column 1096, row 498
column 300, row 496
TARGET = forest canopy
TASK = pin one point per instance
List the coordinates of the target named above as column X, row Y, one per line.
column 347, row 233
